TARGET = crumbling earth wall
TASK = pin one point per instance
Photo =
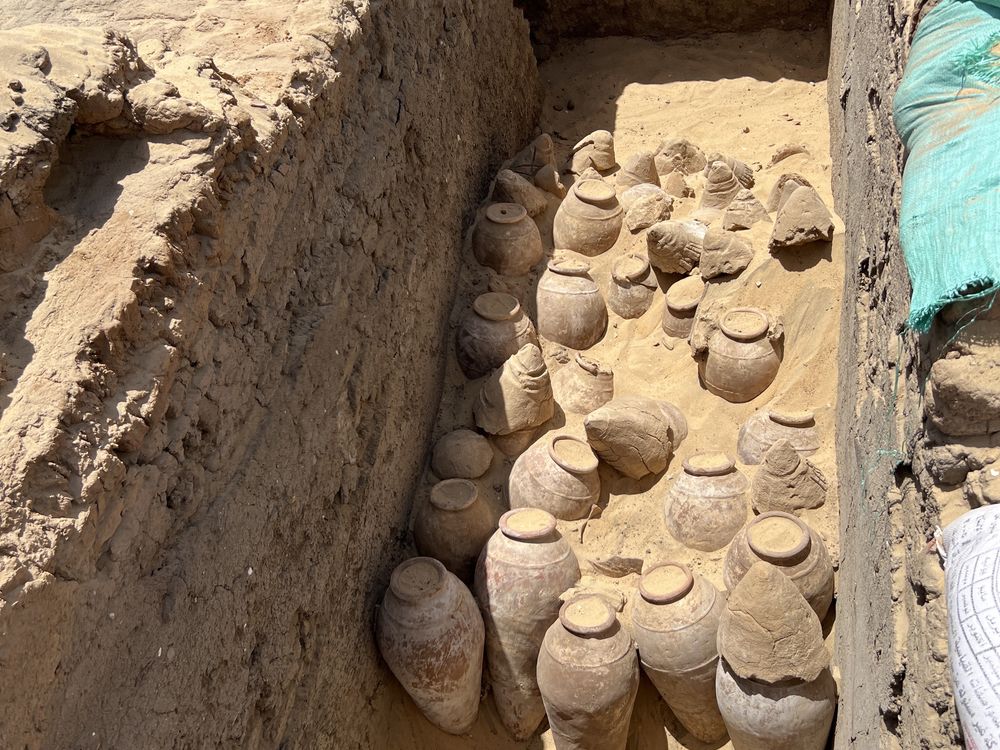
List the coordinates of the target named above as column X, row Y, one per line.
column 230, row 236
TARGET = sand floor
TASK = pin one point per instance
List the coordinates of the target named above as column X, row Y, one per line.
column 746, row 97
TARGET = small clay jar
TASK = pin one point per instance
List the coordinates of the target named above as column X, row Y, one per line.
column 791, row 715
column 707, row 504
column 523, row 570
column 682, row 300
column 675, row 621
column 589, row 219
column 493, row 330
column 632, row 286
column 588, row 675
column 768, row 426
column 742, row 359
column 571, row 309
column 431, row 635
column 583, row 385
column 507, row 240
column 453, row 526
column 790, row 545
column 557, row 474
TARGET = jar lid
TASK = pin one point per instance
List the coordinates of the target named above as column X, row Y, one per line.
column 666, row 583
column 454, row 494
column 572, row 454
column 568, row 266
column 745, row 323
column 527, row 523
column 595, row 192
column 802, row 418
column 686, row 294
column 505, row 213
column 630, row 267
column 709, row 464
column 496, row 306
column 778, row 537
column 587, row 614
column 417, row 579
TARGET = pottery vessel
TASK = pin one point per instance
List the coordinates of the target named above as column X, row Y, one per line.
column 518, row 396
column 571, row 309
column 594, row 151
column 721, row 186
column 583, row 385
column 633, row 284
column 676, row 422
column 638, row 169
column 507, row 240
column 675, row 621
column 790, row 545
column 589, row 219
column 536, row 155
column 453, row 526
column 493, row 330
column 707, row 504
column 557, row 474
column 767, row 426
column 741, row 170
column 431, row 635
column 742, row 359
column 682, row 300
column 680, row 156
column 675, row 246
column 792, row 715
column 588, row 675
column 523, row 570
column 787, row 482
column 510, row 187
column 461, row 454
column 632, row 433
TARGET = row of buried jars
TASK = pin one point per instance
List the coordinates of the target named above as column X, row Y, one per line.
column 575, row 661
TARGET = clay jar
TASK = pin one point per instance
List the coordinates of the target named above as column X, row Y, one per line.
column 588, row 675
column 707, row 504
column 583, row 385
column 790, row 545
column 558, row 474
column 507, row 240
column 431, row 635
column 589, row 219
column 571, row 309
column 453, row 526
column 790, row 715
column 675, row 621
column 742, row 360
column 632, row 286
column 524, row 569
column 682, row 300
column 493, row 330
column 768, row 426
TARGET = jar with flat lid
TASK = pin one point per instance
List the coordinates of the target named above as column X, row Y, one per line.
column 507, row 240
column 589, row 219
column 707, row 504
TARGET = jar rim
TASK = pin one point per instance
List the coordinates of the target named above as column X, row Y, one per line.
column 685, row 290
column 582, row 464
column 587, row 615
column 709, row 464
column 418, row 579
column 630, row 268
column 792, row 418
column 496, row 306
column 525, row 524
column 454, row 494
column 569, row 266
column 773, row 554
column 505, row 213
column 594, row 192
column 750, row 331
column 654, row 591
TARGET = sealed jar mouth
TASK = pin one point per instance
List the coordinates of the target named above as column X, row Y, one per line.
column 744, row 323
column 592, row 366
column 630, row 268
column 587, row 615
column 527, row 523
column 568, row 266
column 417, row 579
column 454, row 494
column 685, row 295
column 709, row 464
column 803, row 418
column 496, row 306
column 778, row 537
column 505, row 213
column 718, row 172
column 666, row 583
column 572, row 454
column 595, row 192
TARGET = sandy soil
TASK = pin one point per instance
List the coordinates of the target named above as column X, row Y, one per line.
column 743, row 96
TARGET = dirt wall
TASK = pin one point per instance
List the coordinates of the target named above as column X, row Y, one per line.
column 221, row 361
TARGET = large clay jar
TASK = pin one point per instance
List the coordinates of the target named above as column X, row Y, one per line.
column 790, row 545
column 588, row 674
column 682, row 300
column 675, row 621
column 571, row 309
column 632, row 286
column 518, row 396
column 453, row 526
column 507, row 240
column 792, row 715
column 493, row 330
column 557, row 474
column 768, row 426
column 583, row 385
column 707, row 504
column 589, row 219
column 431, row 635
column 524, row 569
column 742, row 360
